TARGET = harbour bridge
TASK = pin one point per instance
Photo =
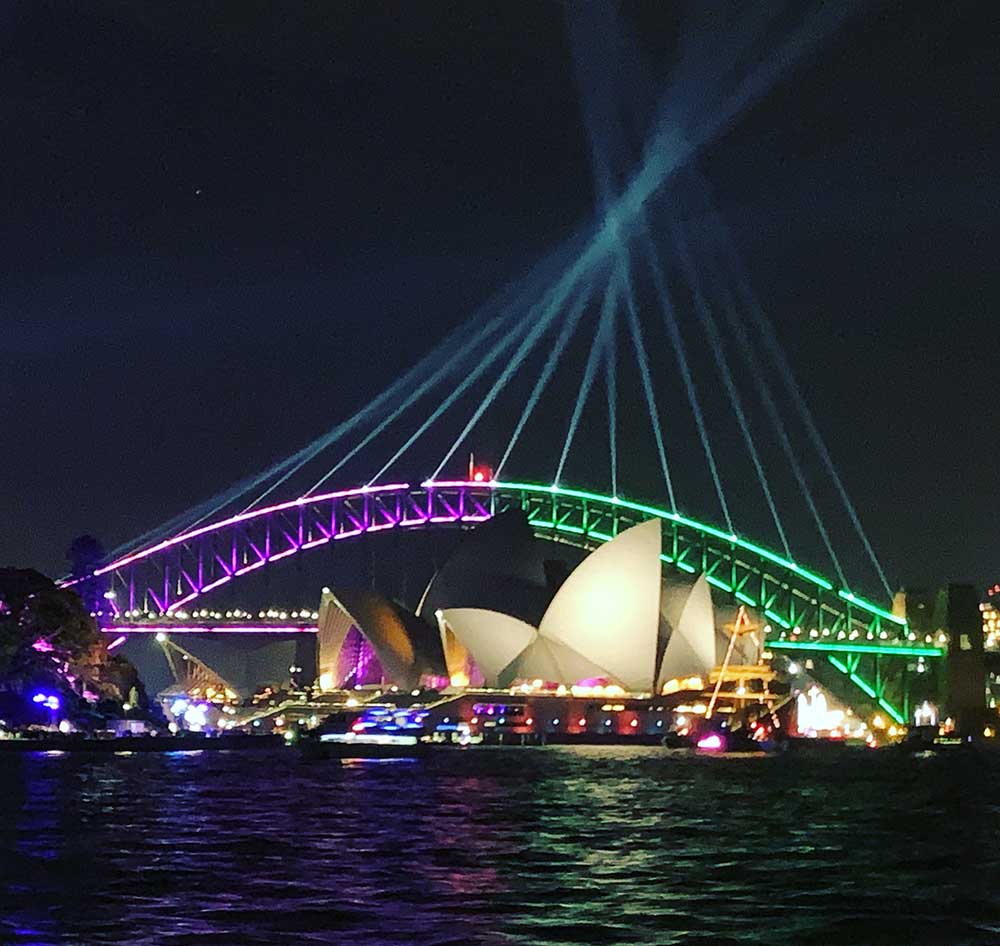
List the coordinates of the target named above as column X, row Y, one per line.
column 646, row 310
column 805, row 611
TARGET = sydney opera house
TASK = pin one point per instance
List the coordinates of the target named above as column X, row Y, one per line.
column 514, row 635
column 509, row 610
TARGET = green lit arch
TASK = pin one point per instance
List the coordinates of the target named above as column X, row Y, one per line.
column 808, row 612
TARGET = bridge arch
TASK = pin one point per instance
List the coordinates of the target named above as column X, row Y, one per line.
column 803, row 607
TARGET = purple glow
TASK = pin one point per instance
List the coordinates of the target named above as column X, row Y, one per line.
column 357, row 523
column 214, row 584
column 117, row 642
column 181, row 602
column 358, row 663
column 250, row 568
column 451, row 511
column 201, row 629
column 222, row 564
column 243, row 517
column 711, row 743
column 42, row 646
column 285, row 554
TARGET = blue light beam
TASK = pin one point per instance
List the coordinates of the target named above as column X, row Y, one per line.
column 445, row 371
column 677, row 342
column 639, row 346
column 569, row 327
column 464, row 386
column 550, row 307
column 757, row 372
column 611, row 388
column 707, row 320
column 590, row 369
column 442, row 352
column 780, row 360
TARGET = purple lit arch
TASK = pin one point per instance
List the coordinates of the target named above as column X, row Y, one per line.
column 173, row 573
column 808, row 609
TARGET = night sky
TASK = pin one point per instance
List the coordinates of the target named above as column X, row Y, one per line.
column 225, row 225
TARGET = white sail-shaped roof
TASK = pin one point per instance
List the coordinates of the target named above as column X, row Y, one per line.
column 406, row 647
column 615, row 617
column 332, row 628
column 608, row 609
column 505, row 649
column 493, row 639
column 551, row 661
column 687, row 616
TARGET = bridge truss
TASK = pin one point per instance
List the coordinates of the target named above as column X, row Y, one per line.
column 804, row 609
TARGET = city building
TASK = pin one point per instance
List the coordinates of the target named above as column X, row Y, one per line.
column 615, row 620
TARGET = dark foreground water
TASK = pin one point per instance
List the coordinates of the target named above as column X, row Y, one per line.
column 534, row 846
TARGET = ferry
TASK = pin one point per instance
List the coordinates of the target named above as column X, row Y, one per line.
column 351, row 745
column 377, row 732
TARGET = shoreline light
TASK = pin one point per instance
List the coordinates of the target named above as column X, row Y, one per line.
column 168, row 629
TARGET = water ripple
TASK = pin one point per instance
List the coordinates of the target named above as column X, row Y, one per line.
column 498, row 847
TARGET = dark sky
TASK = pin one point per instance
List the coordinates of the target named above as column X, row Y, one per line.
column 224, row 225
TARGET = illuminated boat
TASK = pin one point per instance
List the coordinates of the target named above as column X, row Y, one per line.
column 719, row 741
column 351, row 745
column 378, row 732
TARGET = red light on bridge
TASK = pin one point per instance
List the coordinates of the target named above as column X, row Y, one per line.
column 479, row 472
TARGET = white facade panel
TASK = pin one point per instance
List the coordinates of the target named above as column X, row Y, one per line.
column 687, row 611
column 608, row 610
column 553, row 662
column 493, row 639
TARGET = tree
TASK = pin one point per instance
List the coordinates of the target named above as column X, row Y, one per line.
column 36, row 619
column 85, row 555
column 48, row 639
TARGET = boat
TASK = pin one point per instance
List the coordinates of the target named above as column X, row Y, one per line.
column 363, row 745
column 731, row 742
column 927, row 741
column 377, row 732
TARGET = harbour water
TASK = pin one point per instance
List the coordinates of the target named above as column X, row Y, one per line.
column 568, row 845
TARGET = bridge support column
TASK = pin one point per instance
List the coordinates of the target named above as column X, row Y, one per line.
column 905, row 684
column 966, row 674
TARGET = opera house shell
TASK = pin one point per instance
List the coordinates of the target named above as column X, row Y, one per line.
column 505, row 615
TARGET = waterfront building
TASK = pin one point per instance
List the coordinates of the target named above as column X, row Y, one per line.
column 991, row 625
column 615, row 620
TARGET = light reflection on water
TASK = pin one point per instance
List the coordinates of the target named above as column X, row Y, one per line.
column 534, row 846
